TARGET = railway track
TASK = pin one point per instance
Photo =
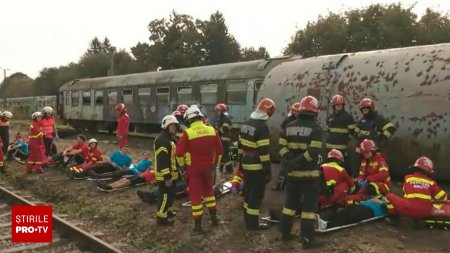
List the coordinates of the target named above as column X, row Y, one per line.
column 67, row 237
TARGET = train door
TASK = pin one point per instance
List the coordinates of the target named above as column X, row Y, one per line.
column 60, row 105
column 127, row 99
column 86, row 105
column 239, row 95
column 98, row 105
column 145, row 103
column 163, row 103
column 109, row 112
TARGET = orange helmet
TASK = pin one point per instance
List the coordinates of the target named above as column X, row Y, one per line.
column 338, row 100
column 267, row 105
column 309, row 104
column 367, row 103
column 295, row 108
column 221, row 108
column 177, row 113
column 334, row 153
column 182, row 108
column 367, row 146
column 424, row 163
column 120, row 107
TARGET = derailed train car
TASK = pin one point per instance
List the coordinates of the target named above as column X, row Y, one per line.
column 410, row 86
column 89, row 103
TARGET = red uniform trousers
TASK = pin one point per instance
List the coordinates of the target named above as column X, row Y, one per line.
column 200, row 184
column 122, row 140
column 363, row 194
column 36, row 155
column 339, row 195
column 411, row 208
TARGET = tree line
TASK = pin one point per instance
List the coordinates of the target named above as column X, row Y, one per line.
column 181, row 41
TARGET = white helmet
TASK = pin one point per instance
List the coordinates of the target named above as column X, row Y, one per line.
column 193, row 112
column 7, row 114
column 167, row 120
column 47, row 110
column 92, row 141
column 36, row 114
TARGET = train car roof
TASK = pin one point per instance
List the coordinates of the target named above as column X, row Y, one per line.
column 238, row 70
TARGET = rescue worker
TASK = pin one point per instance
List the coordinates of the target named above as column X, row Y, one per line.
column 5, row 117
column 166, row 171
column 182, row 110
column 292, row 116
column 340, row 127
column 200, row 150
column 93, row 156
column 374, row 179
column 255, row 161
column 36, row 153
column 372, row 125
column 48, row 126
column 223, row 127
column 337, row 181
column 419, row 192
column 180, row 129
column 76, row 153
column 300, row 157
column 123, row 125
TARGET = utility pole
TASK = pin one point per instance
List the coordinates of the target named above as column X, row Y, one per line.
column 4, row 83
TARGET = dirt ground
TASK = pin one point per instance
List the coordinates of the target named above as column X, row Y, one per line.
column 130, row 224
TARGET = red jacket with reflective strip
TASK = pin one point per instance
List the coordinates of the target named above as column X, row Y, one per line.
column 199, row 146
column 48, row 126
column 375, row 170
column 123, row 123
column 94, row 155
column 419, row 186
column 35, row 134
column 335, row 174
column 238, row 178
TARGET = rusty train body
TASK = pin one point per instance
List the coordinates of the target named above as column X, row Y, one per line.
column 410, row 86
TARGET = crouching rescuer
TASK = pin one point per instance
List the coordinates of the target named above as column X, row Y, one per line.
column 166, row 172
column 200, row 150
column 255, row 161
column 300, row 159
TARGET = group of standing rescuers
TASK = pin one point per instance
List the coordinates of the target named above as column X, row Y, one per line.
column 189, row 146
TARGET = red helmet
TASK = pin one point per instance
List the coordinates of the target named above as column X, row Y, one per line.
column 120, row 107
column 338, row 100
column 182, row 108
column 221, row 108
column 295, row 108
column 309, row 104
column 367, row 103
column 367, row 146
column 267, row 105
column 177, row 113
column 425, row 164
column 334, row 153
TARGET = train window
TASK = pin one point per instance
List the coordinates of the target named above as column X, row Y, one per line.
column 75, row 98
column 184, row 95
column 257, row 88
column 98, row 97
column 208, row 93
column 237, row 93
column 112, row 97
column 144, row 96
column 162, row 95
column 86, row 98
column 127, row 97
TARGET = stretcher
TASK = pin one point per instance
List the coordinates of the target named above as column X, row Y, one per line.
column 440, row 216
column 349, row 225
column 219, row 192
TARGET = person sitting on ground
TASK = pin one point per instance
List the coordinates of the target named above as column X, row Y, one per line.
column 420, row 192
column 118, row 160
column 337, row 181
column 140, row 167
column 76, row 153
column 18, row 149
column 148, row 177
column 93, row 157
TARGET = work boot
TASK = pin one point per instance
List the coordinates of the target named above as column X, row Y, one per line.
column 214, row 219
column 197, row 226
column 164, row 222
column 310, row 243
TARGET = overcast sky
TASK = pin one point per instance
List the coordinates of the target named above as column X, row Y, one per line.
column 48, row 33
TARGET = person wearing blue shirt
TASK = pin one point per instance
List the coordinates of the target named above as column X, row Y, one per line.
column 140, row 167
column 18, row 149
column 119, row 160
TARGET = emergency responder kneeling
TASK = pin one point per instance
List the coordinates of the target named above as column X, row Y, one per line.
column 300, row 156
column 166, row 171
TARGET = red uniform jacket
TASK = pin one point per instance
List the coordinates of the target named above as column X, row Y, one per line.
column 123, row 123
column 199, row 146
column 149, row 176
column 419, row 186
column 375, row 170
column 35, row 134
column 94, row 155
column 48, row 126
column 238, row 178
column 335, row 174
column 83, row 147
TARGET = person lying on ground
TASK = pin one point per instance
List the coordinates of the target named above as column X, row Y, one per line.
column 148, row 177
column 93, row 157
column 76, row 153
column 118, row 160
column 151, row 196
column 18, row 149
column 140, row 167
